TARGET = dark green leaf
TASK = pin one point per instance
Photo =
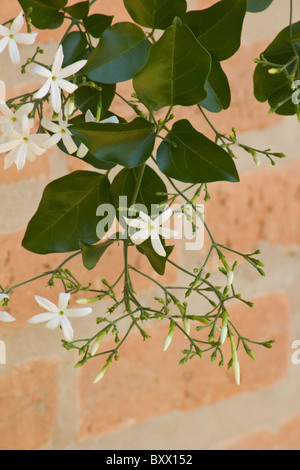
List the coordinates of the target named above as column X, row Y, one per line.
column 79, row 10
column 74, row 46
column 187, row 155
column 96, row 24
column 44, row 15
column 150, row 195
column 66, row 215
column 122, row 51
column 176, row 71
column 219, row 27
column 87, row 98
column 157, row 262
column 255, row 6
column 91, row 254
column 127, row 144
column 155, row 14
column 276, row 88
column 218, row 90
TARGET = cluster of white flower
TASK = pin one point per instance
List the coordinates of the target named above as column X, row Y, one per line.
column 18, row 141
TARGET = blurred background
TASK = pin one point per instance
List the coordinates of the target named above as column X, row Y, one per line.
column 148, row 401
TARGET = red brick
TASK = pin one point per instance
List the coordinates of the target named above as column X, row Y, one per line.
column 264, row 206
column 287, row 437
column 18, row 265
column 147, row 382
column 28, row 405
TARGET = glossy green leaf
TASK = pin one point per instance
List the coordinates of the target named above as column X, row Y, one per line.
column 176, row 71
column 44, row 14
column 255, row 6
column 128, row 144
column 155, row 14
column 96, row 24
column 91, row 254
column 79, row 10
column 276, row 88
column 187, row 155
column 66, row 215
column 74, row 46
column 122, row 51
column 219, row 27
column 157, row 262
column 151, row 193
column 218, row 90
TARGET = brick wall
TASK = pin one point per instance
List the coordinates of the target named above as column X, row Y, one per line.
column 146, row 400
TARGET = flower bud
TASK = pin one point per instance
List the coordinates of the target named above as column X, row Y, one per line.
column 169, row 336
column 230, row 277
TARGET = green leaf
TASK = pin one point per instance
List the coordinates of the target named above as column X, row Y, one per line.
column 187, row 155
column 176, row 71
column 74, row 47
column 155, row 14
column 128, row 144
column 44, row 15
column 66, row 215
column 96, row 24
column 91, row 254
column 157, row 262
column 219, row 27
column 122, row 51
column 276, row 88
column 79, row 10
column 218, row 90
column 151, row 193
column 255, row 6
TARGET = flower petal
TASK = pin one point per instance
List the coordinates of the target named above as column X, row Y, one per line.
column 136, row 223
column 55, row 97
column 42, row 317
column 7, row 146
column 6, row 317
column 71, row 69
column 25, row 109
column 89, row 117
column 4, row 31
column 14, row 53
column 157, row 244
column 82, row 151
column 52, row 324
column 53, row 140
column 78, row 312
column 140, row 236
column 43, row 90
column 63, row 301
column 69, row 143
column 3, row 43
column 24, row 38
column 67, row 329
column 66, row 86
column 17, row 24
column 58, row 61
column 42, row 71
column 20, row 159
column 164, row 216
column 167, row 233
column 46, row 304
column 110, row 120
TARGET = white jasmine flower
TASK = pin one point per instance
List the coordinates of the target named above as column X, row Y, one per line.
column 5, row 316
column 56, row 79
column 60, row 132
column 12, row 118
column 151, row 228
column 89, row 117
column 12, row 36
column 58, row 315
column 22, row 145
